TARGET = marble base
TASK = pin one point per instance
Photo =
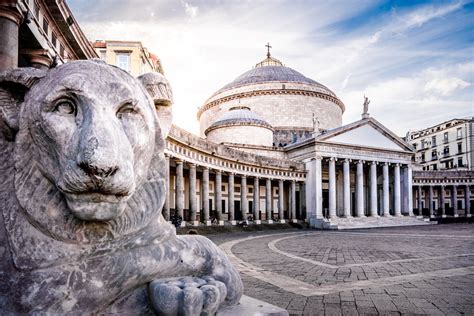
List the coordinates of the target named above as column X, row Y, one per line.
column 183, row 224
column 282, row 221
column 233, row 223
column 270, row 221
column 221, row 223
column 443, row 216
column 251, row 307
column 432, row 216
column 456, row 215
column 469, row 215
column 194, row 223
column 257, row 222
column 208, row 223
column 294, row 221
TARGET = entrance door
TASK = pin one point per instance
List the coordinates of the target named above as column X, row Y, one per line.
column 237, row 211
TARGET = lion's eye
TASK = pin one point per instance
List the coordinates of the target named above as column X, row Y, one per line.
column 65, row 107
column 127, row 109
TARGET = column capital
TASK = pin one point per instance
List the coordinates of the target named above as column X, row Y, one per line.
column 347, row 160
column 332, row 159
column 360, row 161
column 217, row 171
column 386, row 163
column 191, row 165
column 10, row 11
column 374, row 163
column 243, row 175
column 178, row 161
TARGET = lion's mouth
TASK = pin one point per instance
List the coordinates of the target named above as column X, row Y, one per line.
column 96, row 205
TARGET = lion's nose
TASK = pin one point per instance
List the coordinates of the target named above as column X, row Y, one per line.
column 98, row 172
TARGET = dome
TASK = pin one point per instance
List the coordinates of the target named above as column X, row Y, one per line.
column 271, row 70
column 239, row 115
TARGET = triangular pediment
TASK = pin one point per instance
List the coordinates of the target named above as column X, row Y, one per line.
column 366, row 133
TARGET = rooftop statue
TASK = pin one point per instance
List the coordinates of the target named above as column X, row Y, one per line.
column 81, row 191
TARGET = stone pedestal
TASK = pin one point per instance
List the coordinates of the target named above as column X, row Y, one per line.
column 258, row 222
column 221, row 223
column 271, row 221
column 250, row 306
column 233, row 223
column 207, row 223
column 194, row 223
column 282, row 221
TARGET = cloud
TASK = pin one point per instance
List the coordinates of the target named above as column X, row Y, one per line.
column 427, row 13
column 190, row 10
column 445, row 86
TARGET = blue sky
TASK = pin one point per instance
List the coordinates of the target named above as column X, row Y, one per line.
column 413, row 59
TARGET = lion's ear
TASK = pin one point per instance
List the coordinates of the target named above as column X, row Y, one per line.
column 160, row 91
column 14, row 84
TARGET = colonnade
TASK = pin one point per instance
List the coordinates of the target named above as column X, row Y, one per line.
column 437, row 206
column 286, row 209
column 380, row 188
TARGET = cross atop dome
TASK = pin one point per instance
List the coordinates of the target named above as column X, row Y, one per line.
column 268, row 50
column 269, row 61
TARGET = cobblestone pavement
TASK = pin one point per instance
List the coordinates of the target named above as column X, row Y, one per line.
column 425, row 270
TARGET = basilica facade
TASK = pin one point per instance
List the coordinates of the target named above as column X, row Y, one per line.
column 272, row 146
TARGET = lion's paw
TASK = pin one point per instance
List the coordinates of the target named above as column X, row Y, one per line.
column 187, row 296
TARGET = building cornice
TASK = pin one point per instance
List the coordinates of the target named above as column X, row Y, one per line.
column 255, row 93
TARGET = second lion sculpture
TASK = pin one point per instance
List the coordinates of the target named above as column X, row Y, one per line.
column 81, row 192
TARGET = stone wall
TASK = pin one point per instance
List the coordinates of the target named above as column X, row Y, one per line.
column 282, row 110
column 251, row 135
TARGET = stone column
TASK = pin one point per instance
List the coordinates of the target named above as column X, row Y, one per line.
column 373, row 189
column 319, row 187
column 347, row 188
column 409, row 190
column 332, row 187
column 218, row 197
column 430, row 200
column 420, row 200
column 256, row 200
column 166, row 205
column 280, row 201
column 231, row 199
column 293, row 201
column 360, row 189
column 443, row 201
column 467, row 200
column 205, row 197
column 179, row 189
column 268, row 200
column 454, row 201
column 397, row 205
column 192, row 194
column 10, row 20
column 244, row 205
column 386, row 191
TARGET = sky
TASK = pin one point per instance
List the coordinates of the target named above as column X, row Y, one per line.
column 413, row 59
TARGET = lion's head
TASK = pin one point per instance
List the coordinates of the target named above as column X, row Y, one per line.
column 88, row 149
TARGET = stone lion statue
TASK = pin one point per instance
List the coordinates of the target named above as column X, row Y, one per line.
column 81, row 192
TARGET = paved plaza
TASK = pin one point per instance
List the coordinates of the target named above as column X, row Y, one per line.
column 411, row 270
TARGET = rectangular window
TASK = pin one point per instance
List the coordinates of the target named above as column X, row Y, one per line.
column 103, row 54
column 45, row 26
column 460, row 162
column 422, row 144
column 237, row 189
column 53, row 40
column 445, row 137
column 459, row 133
column 415, row 145
column 250, row 190
column 433, row 141
column 123, row 61
column 446, row 151
column 434, row 154
column 423, row 157
column 61, row 51
column 223, row 188
column 435, row 167
column 459, row 148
